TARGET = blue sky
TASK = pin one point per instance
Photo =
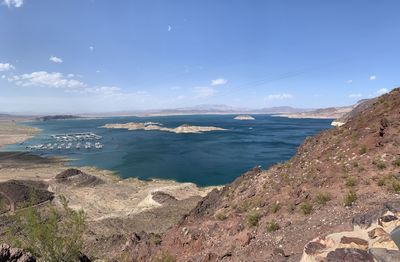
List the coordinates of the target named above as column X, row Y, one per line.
column 102, row 55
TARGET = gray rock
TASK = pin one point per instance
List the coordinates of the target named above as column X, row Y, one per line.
column 385, row 255
column 349, row 255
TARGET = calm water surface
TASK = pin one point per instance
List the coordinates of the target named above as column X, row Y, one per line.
column 211, row 158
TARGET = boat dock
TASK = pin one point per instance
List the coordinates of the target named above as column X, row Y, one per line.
column 72, row 141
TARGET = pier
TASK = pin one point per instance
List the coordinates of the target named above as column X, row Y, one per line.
column 70, row 141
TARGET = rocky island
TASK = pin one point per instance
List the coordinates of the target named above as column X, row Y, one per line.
column 182, row 129
column 244, row 117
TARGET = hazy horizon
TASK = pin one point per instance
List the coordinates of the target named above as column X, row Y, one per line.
column 97, row 56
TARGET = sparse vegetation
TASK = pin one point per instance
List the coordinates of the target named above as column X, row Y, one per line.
column 248, row 205
column 275, row 207
column 397, row 162
column 322, row 198
column 291, row 208
column 379, row 164
column 350, row 181
column 363, row 150
column 220, row 216
column 51, row 236
column 381, row 181
column 253, row 218
column 396, row 186
column 306, row 208
column 350, row 198
column 164, row 257
column 272, row 226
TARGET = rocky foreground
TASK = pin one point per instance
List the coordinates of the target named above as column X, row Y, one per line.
column 337, row 199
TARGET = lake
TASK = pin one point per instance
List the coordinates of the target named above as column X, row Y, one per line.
column 211, row 158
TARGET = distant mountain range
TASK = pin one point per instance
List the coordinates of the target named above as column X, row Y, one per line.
column 206, row 109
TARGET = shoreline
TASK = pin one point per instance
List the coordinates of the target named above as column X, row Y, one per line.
column 11, row 132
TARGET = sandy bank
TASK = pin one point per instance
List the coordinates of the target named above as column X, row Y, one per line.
column 12, row 133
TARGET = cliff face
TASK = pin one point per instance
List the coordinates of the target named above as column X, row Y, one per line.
column 270, row 215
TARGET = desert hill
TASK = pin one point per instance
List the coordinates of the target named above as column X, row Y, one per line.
column 346, row 176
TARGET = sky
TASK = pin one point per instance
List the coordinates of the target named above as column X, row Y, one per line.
column 88, row 56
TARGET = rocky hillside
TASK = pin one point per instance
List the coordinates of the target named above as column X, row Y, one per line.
column 345, row 176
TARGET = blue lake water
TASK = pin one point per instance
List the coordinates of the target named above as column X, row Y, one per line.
column 211, row 158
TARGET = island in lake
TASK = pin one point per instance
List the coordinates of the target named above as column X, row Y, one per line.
column 182, row 129
column 244, row 117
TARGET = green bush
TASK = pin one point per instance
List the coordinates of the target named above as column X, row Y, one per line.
column 396, row 186
column 54, row 236
column 363, row 150
column 379, row 164
column 291, row 208
column 396, row 162
column 322, row 198
column 164, row 258
column 350, row 198
column 381, row 181
column 220, row 216
column 272, row 226
column 253, row 218
column 350, row 181
column 306, row 208
column 275, row 207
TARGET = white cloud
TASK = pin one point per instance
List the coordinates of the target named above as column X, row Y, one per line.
column 382, row 91
column 55, row 59
column 355, row 95
column 372, row 77
column 13, row 3
column 279, row 96
column 218, row 81
column 91, row 48
column 3, row 77
column 204, row 91
column 104, row 90
column 45, row 79
column 169, row 28
column 6, row 67
column 349, row 81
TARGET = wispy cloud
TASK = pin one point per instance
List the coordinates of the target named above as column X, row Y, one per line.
column 373, row 77
column 55, row 59
column 382, row 91
column 13, row 3
column 204, row 91
column 91, row 48
column 282, row 96
column 218, row 81
column 169, row 28
column 355, row 95
column 6, row 67
column 349, row 81
column 45, row 79
column 105, row 90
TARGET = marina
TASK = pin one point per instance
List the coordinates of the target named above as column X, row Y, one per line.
column 70, row 141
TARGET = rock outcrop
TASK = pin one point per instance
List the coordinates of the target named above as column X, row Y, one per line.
column 16, row 194
column 9, row 254
column 77, row 178
column 369, row 240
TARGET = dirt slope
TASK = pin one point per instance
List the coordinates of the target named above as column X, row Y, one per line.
column 270, row 215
